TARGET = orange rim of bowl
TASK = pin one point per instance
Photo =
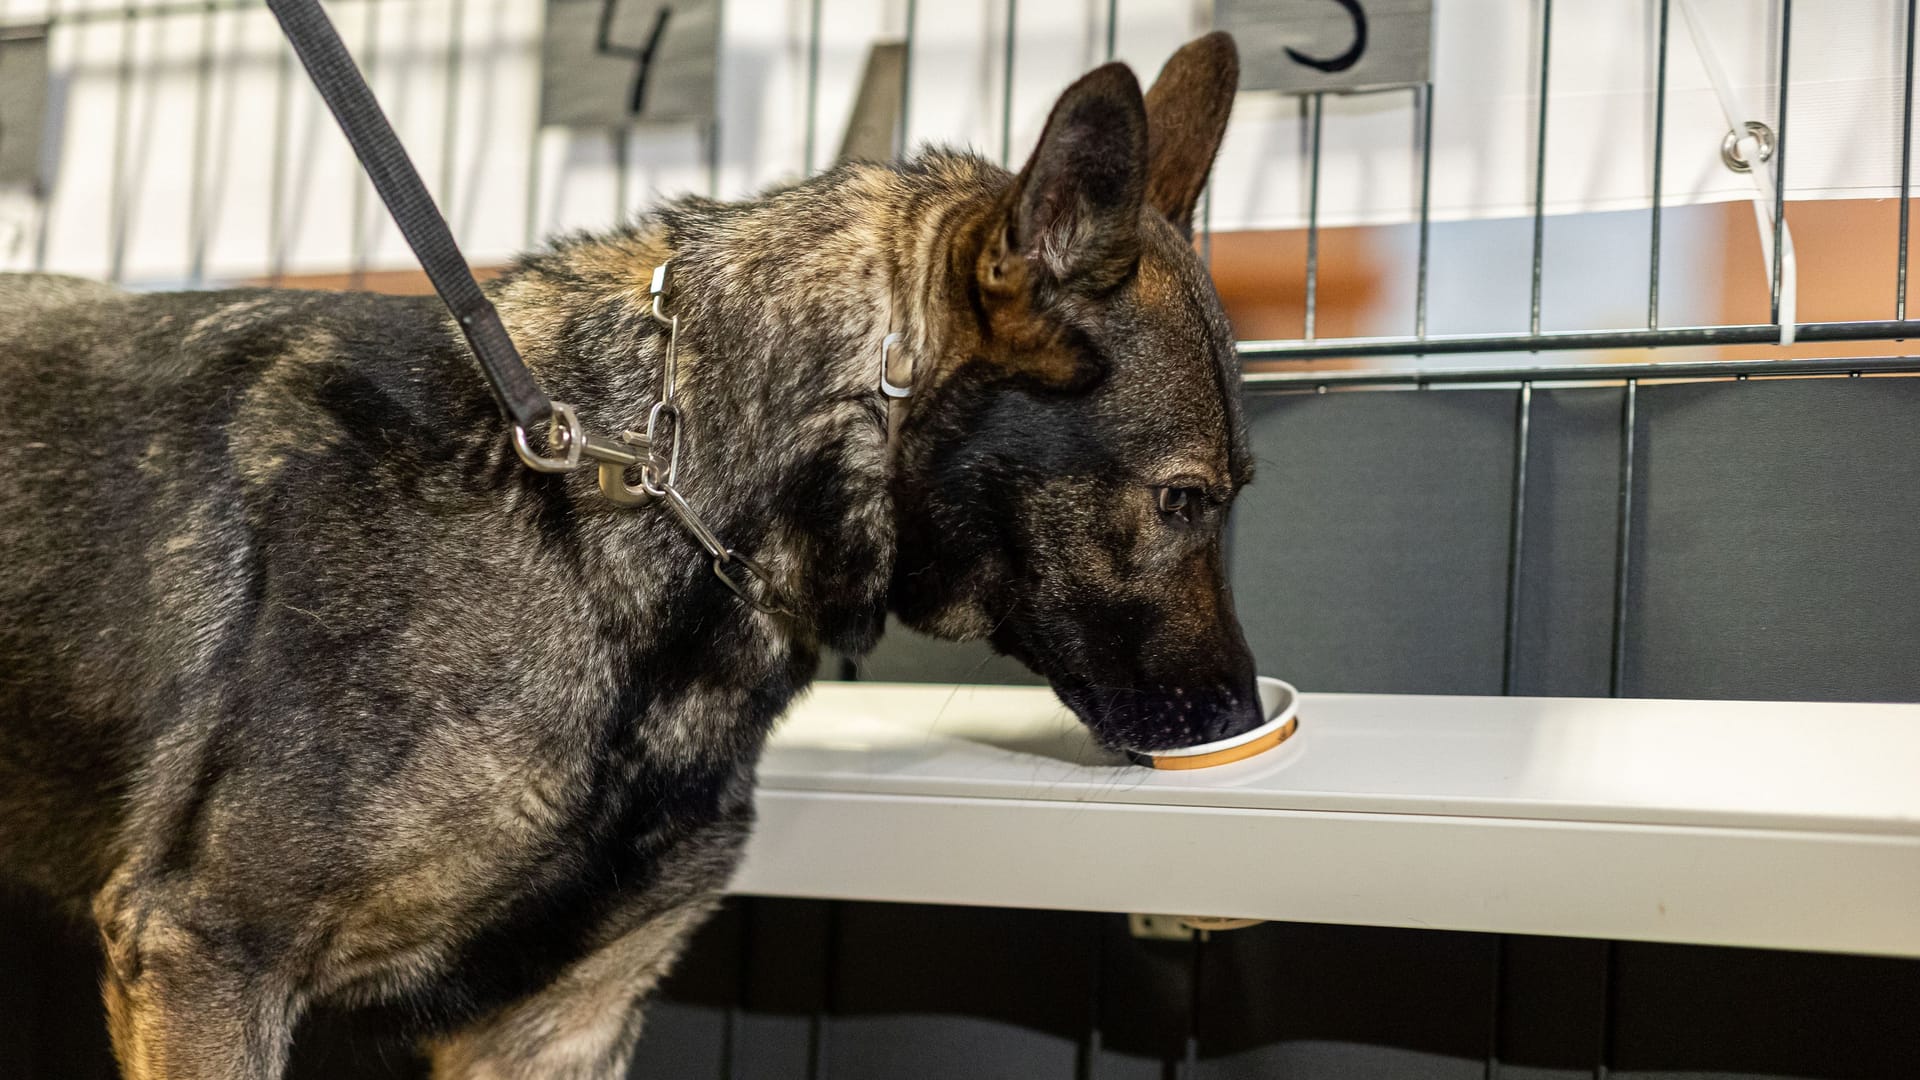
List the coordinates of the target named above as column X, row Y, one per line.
column 1233, row 753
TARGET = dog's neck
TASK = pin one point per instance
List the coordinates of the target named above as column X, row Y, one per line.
column 783, row 303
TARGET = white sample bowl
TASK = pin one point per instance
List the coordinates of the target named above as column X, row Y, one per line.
column 1281, row 704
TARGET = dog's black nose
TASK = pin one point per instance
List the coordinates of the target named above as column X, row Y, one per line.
column 1241, row 713
column 1166, row 717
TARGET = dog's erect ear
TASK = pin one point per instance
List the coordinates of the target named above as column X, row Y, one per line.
column 1186, row 116
column 1075, row 217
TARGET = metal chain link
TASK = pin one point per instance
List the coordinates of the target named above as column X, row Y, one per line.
column 659, row 469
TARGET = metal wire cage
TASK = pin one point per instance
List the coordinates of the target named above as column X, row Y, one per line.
column 209, row 54
column 1654, row 333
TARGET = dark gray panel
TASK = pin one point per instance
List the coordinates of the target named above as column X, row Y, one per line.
column 1345, row 1003
column 681, row 1041
column 1145, row 1006
column 1686, row 1013
column 942, row 1047
column 905, row 656
column 1565, row 643
column 772, row 1046
column 789, row 959
column 1370, row 554
column 19, row 991
column 50, row 970
column 689, row 1022
column 962, row 993
column 1553, row 1000
column 1777, row 547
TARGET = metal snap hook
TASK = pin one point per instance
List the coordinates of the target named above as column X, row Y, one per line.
column 563, row 431
column 613, row 477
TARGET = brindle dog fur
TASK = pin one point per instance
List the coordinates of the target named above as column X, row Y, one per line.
column 311, row 694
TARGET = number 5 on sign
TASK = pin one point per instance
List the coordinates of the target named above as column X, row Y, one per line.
column 1301, row 46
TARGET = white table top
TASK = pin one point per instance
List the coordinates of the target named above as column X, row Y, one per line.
column 1784, row 825
column 1756, row 764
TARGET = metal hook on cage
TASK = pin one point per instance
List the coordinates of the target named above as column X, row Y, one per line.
column 1746, row 146
column 603, row 44
column 1749, row 143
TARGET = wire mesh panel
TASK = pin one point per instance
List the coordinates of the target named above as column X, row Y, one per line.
column 181, row 148
column 1770, row 141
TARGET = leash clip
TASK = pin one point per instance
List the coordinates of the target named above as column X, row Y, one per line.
column 656, row 453
column 613, row 473
column 564, row 432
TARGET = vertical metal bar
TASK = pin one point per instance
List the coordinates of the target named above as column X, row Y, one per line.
column 1113, row 29
column 534, row 170
column 117, row 183
column 813, row 85
column 818, row 1030
column 1190, row 1059
column 1540, row 165
column 1313, row 215
column 535, row 173
column 1623, row 539
column 1206, row 226
column 622, row 153
column 1780, row 155
column 197, row 165
column 713, row 159
column 743, row 908
column 369, row 57
column 1491, row 1070
column 1425, row 96
column 1006, row 90
column 1659, row 162
column 906, row 80
column 1906, row 168
column 277, row 175
column 1090, row 1050
column 1516, row 536
column 450, row 107
column 45, row 197
column 1609, row 999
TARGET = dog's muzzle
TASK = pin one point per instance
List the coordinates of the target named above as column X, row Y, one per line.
column 1164, row 717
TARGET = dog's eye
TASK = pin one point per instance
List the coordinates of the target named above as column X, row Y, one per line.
column 1178, row 502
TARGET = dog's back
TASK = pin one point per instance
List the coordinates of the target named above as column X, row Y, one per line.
column 75, row 612
column 148, row 438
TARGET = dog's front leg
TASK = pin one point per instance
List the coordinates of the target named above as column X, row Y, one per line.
column 584, row 1025
column 181, row 1005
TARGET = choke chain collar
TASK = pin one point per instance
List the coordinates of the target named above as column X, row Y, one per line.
column 656, row 452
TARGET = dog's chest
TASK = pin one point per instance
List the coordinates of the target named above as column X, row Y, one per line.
column 503, row 857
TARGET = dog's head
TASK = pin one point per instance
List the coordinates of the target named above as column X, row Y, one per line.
column 1068, row 465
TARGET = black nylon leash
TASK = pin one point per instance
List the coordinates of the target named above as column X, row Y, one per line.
column 398, row 184
column 656, row 453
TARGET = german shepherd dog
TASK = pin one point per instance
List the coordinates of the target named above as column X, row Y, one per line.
column 311, row 694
